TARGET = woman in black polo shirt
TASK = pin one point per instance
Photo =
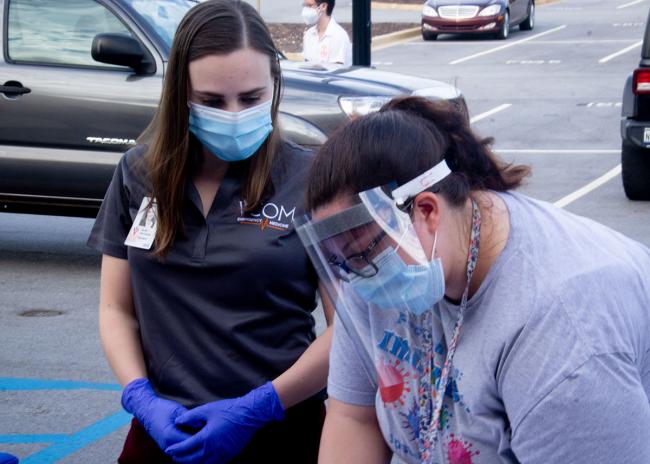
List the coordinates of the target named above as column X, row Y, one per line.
column 206, row 291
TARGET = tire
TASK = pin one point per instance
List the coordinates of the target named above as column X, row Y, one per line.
column 428, row 35
column 636, row 172
column 529, row 22
column 504, row 31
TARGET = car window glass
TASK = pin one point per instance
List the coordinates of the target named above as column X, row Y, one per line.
column 163, row 16
column 56, row 32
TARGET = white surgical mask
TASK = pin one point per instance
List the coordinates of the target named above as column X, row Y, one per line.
column 310, row 15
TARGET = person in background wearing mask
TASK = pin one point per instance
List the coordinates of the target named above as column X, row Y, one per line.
column 206, row 291
column 474, row 324
column 325, row 41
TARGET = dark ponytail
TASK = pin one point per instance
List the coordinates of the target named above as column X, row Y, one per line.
column 405, row 138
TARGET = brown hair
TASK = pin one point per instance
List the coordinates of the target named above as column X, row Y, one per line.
column 216, row 27
column 405, row 138
column 330, row 5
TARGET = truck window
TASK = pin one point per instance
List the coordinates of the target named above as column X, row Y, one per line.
column 163, row 16
column 56, row 32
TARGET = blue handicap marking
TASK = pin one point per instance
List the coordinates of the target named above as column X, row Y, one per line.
column 13, row 384
column 63, row 445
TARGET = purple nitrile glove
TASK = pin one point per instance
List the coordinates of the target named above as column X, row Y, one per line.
column 6, row 458
column 156, row 414
column 226, row 426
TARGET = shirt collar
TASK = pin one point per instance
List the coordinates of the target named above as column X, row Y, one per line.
column 329, row 31
column 330, row 27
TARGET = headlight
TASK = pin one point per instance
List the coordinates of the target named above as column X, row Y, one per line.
column 491, row 10
column 355, row 107
column 429, row 11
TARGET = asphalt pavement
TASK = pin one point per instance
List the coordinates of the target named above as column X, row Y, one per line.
column 550, row 97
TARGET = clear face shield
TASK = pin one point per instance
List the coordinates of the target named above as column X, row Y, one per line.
column 383, row 285
column 364, row 254
column 369, row 257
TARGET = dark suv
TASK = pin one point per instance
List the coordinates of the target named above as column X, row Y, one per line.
column 635, row 127
column 81, row 79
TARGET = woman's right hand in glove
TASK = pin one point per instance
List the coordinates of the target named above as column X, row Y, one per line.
column 156, row 414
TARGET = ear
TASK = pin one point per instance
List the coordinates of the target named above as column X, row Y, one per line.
column 426, row 210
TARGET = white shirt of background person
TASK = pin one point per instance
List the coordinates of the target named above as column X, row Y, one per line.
column 326, row 41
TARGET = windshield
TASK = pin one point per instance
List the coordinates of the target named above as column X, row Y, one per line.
column 163, row 16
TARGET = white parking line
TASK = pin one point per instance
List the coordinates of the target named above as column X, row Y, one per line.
column 478, row 117
column 533, row 62
column 590, row 42
column 601, row 104
column 620, row 52
column 511, row 44
column 589, row 187
column 625, row 5
column 543, row 151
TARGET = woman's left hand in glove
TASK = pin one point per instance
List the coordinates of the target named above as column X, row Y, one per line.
column 225, row 426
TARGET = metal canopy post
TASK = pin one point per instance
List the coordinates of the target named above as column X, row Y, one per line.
column 361, row 36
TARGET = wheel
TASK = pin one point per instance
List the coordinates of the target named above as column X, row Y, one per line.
column 428, row 35
column 529, row 22
column 636, row 172
column 505, row 27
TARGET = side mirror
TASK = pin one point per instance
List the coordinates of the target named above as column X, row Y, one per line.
column 122, row 50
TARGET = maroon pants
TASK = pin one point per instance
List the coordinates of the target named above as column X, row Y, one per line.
column 294, row 440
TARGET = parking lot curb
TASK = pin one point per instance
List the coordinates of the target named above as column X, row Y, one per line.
column 396, row 6
column 393, row 38
column 293, row 56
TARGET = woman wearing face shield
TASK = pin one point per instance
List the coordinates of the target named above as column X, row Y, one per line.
column 206, row 290
column 474, row 324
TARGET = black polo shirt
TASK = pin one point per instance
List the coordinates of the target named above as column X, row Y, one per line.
column 230, row 306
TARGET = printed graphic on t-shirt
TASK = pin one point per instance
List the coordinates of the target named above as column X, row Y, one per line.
column 400, row 368
column 270, row 215
column 460, row 451
column 324, row 51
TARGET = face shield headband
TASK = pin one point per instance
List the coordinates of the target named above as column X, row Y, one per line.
column 403, row 194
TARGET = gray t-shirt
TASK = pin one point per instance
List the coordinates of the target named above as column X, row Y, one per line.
column 553, row 363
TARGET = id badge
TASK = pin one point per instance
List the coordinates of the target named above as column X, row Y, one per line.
column 143, row 230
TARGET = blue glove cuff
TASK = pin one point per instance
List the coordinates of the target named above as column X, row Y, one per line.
column 269, row 401
column 135, row 392
column 6, row 458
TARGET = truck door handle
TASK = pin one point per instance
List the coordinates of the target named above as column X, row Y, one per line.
column 13, row 88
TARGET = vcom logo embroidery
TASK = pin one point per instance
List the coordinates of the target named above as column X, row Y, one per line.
column 271, row 216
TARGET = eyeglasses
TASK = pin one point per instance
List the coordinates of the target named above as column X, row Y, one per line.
column 358, row 263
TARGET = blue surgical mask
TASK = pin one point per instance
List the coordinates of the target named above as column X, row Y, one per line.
column 400, row 286
column 231, row 136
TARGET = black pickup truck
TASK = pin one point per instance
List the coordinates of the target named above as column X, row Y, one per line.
column 69, row 108
column 635, row 126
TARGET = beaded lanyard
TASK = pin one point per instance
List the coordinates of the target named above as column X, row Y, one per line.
column 434, row 424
